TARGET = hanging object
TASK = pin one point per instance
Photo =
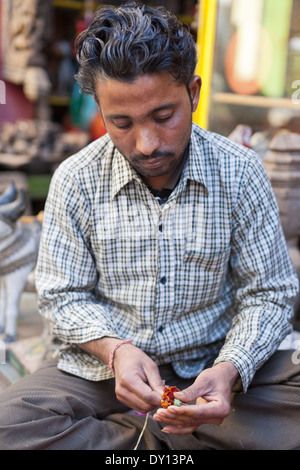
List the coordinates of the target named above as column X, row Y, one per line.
column 243, row 55
column 276, row 23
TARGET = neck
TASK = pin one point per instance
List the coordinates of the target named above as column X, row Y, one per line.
column 158, row 183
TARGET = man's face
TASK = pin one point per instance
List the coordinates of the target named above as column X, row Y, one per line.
column 149, row 121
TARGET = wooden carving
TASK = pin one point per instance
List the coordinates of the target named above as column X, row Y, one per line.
column 26, row 32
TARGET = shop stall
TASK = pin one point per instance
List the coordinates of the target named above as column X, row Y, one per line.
column 249, row 61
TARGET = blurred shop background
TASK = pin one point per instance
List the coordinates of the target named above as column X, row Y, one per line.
column 249, row 61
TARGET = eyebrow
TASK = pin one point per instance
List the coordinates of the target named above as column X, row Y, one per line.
column 155, row 110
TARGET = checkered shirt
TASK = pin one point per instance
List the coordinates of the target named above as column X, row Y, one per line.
column 204, row 278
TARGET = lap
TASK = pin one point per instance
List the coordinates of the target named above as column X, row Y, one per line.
column 51, row 409
column 54, row 410
column 267, row 416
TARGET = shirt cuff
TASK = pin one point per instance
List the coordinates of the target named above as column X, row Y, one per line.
column 83, row 334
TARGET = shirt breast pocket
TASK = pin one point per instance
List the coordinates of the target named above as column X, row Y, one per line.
column 206, row 264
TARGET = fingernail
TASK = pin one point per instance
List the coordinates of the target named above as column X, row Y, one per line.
column 171, row 410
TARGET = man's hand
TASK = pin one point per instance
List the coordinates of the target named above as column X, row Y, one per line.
column 214, row 385
column 138, row 381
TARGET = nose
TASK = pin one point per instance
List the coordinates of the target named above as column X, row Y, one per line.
column 147, row 141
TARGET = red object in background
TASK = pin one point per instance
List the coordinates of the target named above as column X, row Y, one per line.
column 17, row 105
column 97, row 128
column 242, row 135
column 239, row 86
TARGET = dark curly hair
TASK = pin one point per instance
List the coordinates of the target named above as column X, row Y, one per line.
column 134, row 39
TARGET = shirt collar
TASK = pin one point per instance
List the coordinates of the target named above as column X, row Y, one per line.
column 195, row 166
column 123, row 173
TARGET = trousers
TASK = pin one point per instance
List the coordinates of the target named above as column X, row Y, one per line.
column 53, row 410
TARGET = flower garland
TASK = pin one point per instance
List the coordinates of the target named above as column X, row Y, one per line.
column 168, row 398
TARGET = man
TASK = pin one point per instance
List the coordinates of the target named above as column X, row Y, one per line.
column 162, row 260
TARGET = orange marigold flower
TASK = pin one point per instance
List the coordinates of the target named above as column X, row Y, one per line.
column 168, row 398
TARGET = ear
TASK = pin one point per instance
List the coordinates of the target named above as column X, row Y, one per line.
column 195, row 87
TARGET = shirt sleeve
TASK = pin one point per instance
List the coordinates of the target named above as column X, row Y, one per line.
column 66, row 276
column 265, row 280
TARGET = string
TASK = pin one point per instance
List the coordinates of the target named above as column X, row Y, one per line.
column 142, row 432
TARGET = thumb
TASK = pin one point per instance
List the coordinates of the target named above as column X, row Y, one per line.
column 190, row 394
column 155, row 381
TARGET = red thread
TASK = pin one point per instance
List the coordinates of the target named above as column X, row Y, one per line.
column 112, row 354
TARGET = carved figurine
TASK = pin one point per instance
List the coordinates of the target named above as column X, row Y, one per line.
column 19, row 244
column 26, row 27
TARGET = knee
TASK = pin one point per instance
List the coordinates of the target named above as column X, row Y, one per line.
column 28, row 421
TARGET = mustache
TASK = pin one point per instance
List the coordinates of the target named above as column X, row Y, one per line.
column 141, row 157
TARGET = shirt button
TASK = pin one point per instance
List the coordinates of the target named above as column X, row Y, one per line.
column 163, row 280
column 161, row 329
column 160, row 227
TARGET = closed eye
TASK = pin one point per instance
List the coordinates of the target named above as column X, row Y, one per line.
column 121, row 124
column 163, row 118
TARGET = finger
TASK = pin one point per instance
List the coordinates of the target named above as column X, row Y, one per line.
column 188, row 395
column 138, row 395
column 135, row 402
column 184, row 421
column 190, row 424
column 178, row 429
column 195, row 422
column 147, row 394
column 150, row 382
column 155, row 382
column 191, row 413
column 186, row 429
column 171, row 417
